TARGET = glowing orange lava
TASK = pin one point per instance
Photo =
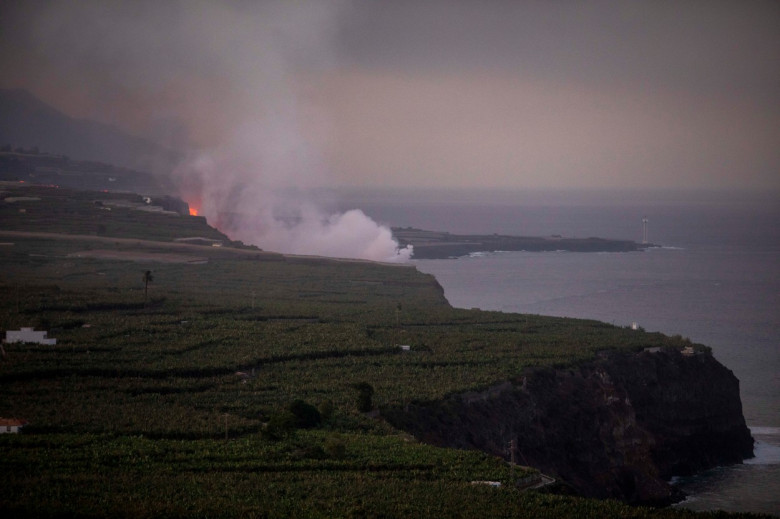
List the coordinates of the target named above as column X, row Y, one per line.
column 193, row 211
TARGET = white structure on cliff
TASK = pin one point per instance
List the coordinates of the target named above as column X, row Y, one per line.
column 11, row 425
column 28, row 335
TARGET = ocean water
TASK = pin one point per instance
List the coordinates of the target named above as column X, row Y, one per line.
column 715, row 278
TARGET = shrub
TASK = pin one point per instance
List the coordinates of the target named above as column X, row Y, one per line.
column 326, row 410
column 335, row 447
column 306, row 415
column 365, row 393
column 280, row 425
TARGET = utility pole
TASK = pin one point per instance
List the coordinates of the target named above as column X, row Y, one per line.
column 397, row 322
column 512, row 448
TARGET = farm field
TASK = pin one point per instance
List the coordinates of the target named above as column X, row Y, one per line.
column 250, row 384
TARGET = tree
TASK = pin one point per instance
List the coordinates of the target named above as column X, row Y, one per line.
column 306, row 415
column 365, row 393
column 326, row 409
column 335, row 447
column 147, row 279
column 279, row 426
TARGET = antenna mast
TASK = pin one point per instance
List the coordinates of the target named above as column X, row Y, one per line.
column 644, row 229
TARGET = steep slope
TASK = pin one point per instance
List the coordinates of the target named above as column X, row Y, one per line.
column 619, row 427
column 27, row 121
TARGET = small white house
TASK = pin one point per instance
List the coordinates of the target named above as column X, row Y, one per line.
column 11, row 425
column 28, row 335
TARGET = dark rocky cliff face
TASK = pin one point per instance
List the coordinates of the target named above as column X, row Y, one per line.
column 619, row 426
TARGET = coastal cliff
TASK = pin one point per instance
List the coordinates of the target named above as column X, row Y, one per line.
column 619, row 426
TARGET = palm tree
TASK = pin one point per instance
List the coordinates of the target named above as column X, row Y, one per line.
column 147, row 279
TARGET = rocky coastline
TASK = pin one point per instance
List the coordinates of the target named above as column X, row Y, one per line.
column 620, row 426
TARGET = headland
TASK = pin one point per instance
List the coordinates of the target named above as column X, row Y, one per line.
column 443, row 245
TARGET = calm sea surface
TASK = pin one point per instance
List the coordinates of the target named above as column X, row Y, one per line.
column 715, row 279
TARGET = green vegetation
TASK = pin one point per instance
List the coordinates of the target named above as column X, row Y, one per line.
column 237, row 387
column 95, row 213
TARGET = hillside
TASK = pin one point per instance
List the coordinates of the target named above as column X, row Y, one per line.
column 27, row 122
column 105, row 214
column 35, row 167
column 245, row 383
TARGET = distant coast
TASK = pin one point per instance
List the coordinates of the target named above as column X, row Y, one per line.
column 443, row 245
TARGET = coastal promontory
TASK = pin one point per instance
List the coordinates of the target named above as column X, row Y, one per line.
column 619, row 426
column 442, row 245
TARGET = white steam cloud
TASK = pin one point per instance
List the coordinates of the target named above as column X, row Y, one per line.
column 233, row 194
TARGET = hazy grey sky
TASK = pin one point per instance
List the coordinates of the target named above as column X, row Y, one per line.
column 516, row 94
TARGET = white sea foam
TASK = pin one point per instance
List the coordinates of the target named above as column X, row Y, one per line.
column 767, row 447
column 765, row 431
column 663, row 248
column 765, row 454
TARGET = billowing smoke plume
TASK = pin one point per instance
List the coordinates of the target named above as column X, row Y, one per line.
column 233, row 81
column 230, row 190
column 253, row 185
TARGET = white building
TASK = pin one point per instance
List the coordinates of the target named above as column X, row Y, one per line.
column 11, row 425
column 28, row 335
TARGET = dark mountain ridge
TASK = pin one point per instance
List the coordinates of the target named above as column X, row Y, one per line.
column 28, row 122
